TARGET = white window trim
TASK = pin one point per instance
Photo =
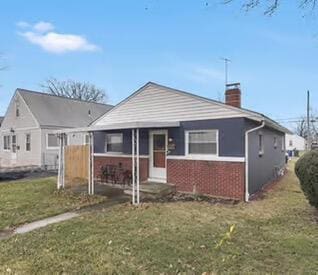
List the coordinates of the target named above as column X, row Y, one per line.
column 201, row 156
column 47, row 143
column 105, row 145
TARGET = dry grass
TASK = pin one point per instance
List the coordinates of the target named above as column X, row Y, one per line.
column 277, row 234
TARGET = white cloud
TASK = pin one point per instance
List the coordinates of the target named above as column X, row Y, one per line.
column 41, row 34
column 43, row 26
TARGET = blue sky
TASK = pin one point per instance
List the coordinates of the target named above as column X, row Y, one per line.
column 121, row 45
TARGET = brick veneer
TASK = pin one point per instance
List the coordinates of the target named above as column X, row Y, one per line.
column 126, row 162
column 215, row 178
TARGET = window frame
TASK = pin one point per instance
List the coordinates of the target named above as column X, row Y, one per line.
column 47, row 142
column 122, row 142
column 260, row 144
column 26, row 142
column 8, row 148
column 186, row 143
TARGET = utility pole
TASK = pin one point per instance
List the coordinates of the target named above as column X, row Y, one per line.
column 226, row 63
column 308, row 122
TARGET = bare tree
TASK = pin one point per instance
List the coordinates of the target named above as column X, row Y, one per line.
column 271, row 6
column 301, row 128
column 74, row 89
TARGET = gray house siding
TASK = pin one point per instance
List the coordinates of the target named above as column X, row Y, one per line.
column 262, row 168
column 231, row 137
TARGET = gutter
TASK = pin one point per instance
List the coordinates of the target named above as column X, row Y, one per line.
column 246, row 157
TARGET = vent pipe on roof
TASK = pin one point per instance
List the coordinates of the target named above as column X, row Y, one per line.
column 233, row 95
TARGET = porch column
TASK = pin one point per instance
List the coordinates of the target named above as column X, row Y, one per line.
column 91, row 183
column 61, row 169
column 135, row 166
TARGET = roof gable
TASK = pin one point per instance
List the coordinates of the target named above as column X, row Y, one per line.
column 155, row 102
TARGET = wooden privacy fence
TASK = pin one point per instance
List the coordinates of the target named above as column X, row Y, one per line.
column 76, row 165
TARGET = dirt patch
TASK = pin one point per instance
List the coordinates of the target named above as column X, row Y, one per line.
column 182, row 197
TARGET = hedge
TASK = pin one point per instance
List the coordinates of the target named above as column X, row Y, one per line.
column 306, row 169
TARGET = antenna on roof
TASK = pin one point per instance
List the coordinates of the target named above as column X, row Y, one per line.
column 226, row 63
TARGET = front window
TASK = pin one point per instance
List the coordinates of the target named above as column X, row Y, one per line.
column 52, row 141
column 6, row 143
column 202, row 142
column 28, row 142
column 114, row 143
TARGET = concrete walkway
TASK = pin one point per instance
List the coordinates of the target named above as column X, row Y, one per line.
column 42, row 223
column 5, row 234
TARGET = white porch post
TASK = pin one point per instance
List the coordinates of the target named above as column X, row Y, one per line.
column 59, row 177
column 133, row 164
column 89, row 164
column 61, row 170
column 92, row 155
column 137, row 166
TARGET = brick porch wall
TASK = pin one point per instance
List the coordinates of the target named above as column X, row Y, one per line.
column 126, row 162
column 220, row 179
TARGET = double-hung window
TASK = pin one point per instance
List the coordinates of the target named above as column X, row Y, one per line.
column 6, row 143
column 260, row 144
column 114, row 143
column 202, row 142
column 28, row 142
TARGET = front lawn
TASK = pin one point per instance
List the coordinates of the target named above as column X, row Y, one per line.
column 26, row 201
column 277, row 234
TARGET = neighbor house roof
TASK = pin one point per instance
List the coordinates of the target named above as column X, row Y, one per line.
column 57, row 111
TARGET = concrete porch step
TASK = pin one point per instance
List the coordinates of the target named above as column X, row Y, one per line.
column 152, row 190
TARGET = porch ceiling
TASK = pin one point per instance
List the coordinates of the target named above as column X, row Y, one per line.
column 126, row 125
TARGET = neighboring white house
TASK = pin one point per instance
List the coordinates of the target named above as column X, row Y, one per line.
column 295, row 142
column 27, row 132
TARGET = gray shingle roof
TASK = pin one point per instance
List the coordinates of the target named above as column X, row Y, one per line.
column 57, row 111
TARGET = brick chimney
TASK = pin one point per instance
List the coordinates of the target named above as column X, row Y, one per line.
column 233, row 94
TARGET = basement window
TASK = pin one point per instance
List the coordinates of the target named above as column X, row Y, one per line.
column 114, row 143
column 202, row 142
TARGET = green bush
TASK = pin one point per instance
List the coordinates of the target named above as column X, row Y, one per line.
column 306, row 170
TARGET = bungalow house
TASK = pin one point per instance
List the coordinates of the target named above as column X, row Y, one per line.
column 196, row 144
column 27, row 133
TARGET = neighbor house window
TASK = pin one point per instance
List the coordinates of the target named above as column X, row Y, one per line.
column 260, row 144
column 52, row 141
column 283, row 144
column 28, row 142
column 290, row 143
column 202, row 142
column 114, row 143
column 6, row 143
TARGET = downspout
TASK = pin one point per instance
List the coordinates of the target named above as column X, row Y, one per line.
column 246, row 157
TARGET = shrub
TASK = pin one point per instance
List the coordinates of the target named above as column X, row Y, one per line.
column 306, row 170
